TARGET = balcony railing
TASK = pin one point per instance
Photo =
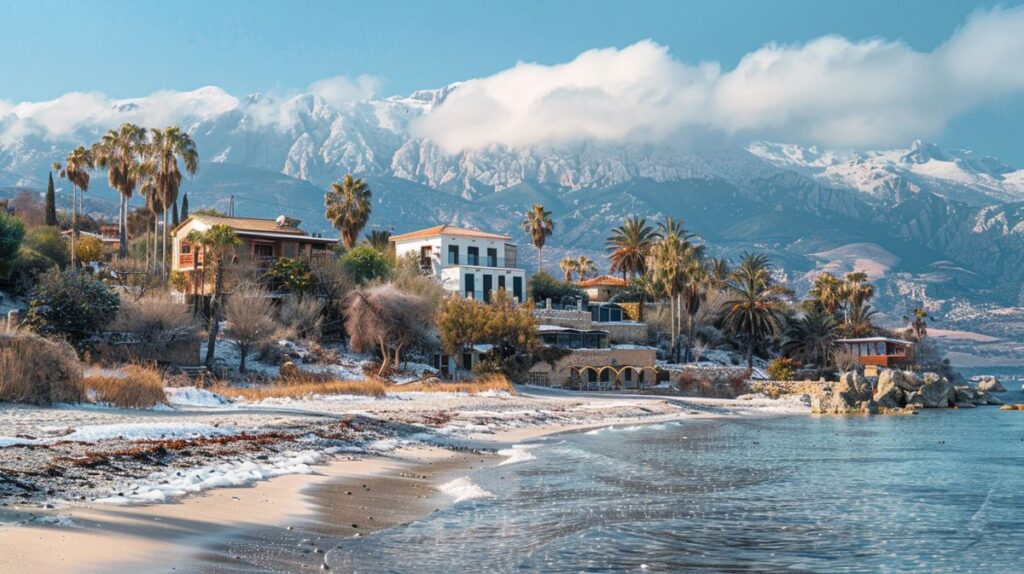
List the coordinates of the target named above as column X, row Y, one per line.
column 884, row 360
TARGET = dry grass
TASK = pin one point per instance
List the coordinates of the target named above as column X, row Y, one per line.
column 488, row 383
column 300, row 389
column 38, row 371
column 141, row 387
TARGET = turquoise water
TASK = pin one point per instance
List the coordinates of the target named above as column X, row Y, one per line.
column 942, row 491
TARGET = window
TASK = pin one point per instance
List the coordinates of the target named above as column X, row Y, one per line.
column 492, row 257
column 470, row 285
column 263, row 249
column 501, row 282
column 488, row 286
column 517, row 288
column 467, row 361
column 453, row 255
column 473, row 255
column 186, row 248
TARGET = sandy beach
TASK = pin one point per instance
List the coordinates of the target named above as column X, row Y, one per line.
column 400, row 455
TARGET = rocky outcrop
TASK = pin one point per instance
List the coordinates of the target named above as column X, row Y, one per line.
column 888, row 394
column 851, row 395
column 990, row 385
column 1013, row 407
column 937, row 392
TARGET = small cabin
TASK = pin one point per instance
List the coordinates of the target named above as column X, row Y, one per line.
column 879, row 352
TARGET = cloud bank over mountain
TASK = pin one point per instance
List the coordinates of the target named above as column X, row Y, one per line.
column 831, row 91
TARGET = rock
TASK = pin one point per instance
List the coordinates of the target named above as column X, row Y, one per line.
column 888, row 395
column 937, row 392
column 990, row 385
column 965, row 405
column 989, row 399
column 851, row 395
column 915, row 401
column 1013, row 407
column 289, row 370
column 909, row 381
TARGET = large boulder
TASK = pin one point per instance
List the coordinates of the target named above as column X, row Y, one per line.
column 937, row 392
column 851, row 395
column 990, row 385
column 888, row 394
column 909, row 381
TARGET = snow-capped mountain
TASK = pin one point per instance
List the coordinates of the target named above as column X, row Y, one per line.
column 890, row 175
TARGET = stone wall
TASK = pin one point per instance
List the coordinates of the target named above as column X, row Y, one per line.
column 721, row 382
column 560, row 374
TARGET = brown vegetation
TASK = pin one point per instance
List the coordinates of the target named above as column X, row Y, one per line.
column 297, row 390
column 250, row 315
column 489, row 383
column 38, row 371
column 140, row 387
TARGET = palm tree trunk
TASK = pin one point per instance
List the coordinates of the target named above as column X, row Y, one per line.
column 122, row 229
column 74, row 223
column 672, row 325
column 538, row 260
column 156, row 228
column 750, row 352
column 163, row 261
column 211, row 343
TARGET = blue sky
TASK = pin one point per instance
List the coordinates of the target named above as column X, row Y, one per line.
column 125, row 49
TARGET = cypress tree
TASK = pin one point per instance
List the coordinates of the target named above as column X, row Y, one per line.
column 184, row 207
column 51, row 203
column 174, row 215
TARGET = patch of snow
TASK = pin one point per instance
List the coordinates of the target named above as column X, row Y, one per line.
column 128, row 431
column 170, row 484
column 194, row 397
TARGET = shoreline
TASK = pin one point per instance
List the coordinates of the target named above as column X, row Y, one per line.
column 287, row 518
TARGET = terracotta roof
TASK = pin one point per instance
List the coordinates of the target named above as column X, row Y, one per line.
column 247, row 224
column 603, row 281
column 449, row 230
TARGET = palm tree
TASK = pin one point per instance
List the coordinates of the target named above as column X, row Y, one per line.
column 118, row 152
column 630, row 243
column 827, row 292
column 379, row 240
column 858, row 322
column 694, row 291
column 148, row 187
column 215, row 242
column 539, row 225
column 568, row 266
column 669, row 260
column 77, row 165
column 918, row 323
column 718, row 272
column 857, row 290
column 585, row 266
column 166, row 147
column 754, row 304
column 348, row 208
column 813, row 338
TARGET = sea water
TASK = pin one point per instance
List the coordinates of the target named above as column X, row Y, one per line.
column 942, row 491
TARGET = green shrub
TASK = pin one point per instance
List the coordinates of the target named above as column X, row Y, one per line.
column 48, row 241
column 72, row 305
column 365, row 264
column 543, row 286
column 12, row 231
column 782, row 369
column 26, row 269
column 290, row 276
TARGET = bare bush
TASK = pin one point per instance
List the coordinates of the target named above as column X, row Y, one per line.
column 303, row 315
column 39, row 371
column 140, row 387
column 250, row 321
column 386, row 319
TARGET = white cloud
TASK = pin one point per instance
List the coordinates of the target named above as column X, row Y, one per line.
column 341, row 90
column 830, row 91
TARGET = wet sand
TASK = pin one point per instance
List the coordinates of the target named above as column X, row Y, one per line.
column 274, row 526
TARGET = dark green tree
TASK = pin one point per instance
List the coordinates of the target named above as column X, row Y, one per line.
column 71, row 305
column 51, row 203
column 184, row 206
column 12, row 231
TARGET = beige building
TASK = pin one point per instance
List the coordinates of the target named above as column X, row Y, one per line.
column 602, row 288
column 264, row 241
column 616, row 367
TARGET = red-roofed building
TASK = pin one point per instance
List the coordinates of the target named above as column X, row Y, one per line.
column 602, row 288
column 467, row 261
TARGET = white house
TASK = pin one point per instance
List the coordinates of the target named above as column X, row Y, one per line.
column 466, row 261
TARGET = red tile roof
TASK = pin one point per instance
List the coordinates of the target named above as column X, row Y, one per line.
column 448, row 230
column 603, row 281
